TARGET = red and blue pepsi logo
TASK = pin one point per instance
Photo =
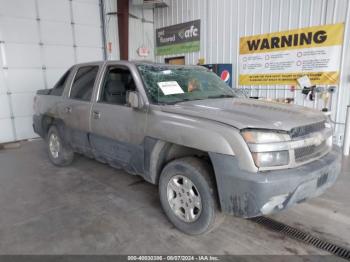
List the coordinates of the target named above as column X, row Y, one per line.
column 225, row 76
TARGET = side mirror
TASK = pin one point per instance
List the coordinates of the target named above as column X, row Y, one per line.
column 134, row 100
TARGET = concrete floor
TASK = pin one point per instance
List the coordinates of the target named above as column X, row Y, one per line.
column 90, row 208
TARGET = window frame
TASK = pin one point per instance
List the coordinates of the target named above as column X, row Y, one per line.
column 102, row 83
column 93, row 87
column 67, row 74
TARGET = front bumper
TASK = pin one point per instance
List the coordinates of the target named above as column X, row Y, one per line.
column 246, row 194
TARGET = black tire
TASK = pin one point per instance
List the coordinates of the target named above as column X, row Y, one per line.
column 65, row 154
column 201, row 175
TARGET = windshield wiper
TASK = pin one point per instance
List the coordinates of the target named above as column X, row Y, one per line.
column 182, row 100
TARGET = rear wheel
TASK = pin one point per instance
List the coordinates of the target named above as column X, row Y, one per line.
column 188, row 195
column 59, row 153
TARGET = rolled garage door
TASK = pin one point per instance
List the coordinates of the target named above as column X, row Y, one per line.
column 39, row 40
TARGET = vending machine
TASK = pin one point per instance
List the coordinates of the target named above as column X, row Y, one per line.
column 224, row 71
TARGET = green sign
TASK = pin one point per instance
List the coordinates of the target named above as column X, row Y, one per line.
column 177, row 39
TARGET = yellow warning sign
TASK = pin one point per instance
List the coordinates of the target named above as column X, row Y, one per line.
column 282, row 57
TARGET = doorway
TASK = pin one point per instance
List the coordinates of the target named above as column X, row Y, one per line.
column 180, row 60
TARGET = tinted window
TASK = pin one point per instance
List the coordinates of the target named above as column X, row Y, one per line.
column 57, row 90
column 83, row 83
column 117, row 82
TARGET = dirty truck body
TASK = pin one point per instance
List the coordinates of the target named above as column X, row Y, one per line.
column 263, row 157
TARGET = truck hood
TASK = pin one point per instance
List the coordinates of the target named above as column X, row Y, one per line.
column 248, row 113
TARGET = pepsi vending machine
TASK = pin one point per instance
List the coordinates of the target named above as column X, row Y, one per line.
column 224, row 71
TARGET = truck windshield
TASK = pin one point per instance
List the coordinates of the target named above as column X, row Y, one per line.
column 172, row 84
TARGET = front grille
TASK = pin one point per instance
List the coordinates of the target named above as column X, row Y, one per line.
column 305, row 130
column 306, row 153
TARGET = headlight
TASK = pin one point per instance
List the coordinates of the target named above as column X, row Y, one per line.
column 257, row 137
column 268, row 159
column 261, row 157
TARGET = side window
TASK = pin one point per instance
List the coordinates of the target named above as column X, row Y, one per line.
column 83, row 83
column 117, row 82
column 57, row 90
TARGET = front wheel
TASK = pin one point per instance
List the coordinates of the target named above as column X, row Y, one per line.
column 59, row 153
column 188, row 195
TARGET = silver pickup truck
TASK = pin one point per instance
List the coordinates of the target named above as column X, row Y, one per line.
column 209, row 149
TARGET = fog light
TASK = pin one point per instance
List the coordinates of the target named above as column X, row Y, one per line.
column 276, row 201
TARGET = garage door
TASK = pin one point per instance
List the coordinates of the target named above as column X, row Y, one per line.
column 39, row 40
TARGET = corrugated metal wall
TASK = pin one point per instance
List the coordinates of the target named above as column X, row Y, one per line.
column 223, row 22
column 141, row 30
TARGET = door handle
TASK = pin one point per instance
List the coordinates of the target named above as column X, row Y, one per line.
column 68, row 109
column 96, row 115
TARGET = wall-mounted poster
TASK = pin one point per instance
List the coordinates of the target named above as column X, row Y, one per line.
column 178, row 39
column 224, row 71
column 283, row 57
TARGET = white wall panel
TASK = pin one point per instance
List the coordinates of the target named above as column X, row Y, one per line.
column 62, row 36
column 18, row 30
column 86, row 54
column 22, row 104
column 96, row 2
column 22, row 55
column 223, row 22
column 18, row 8
column 6, row 134
column 86, row 36
column 39, row 40
column 24, row 127
column 59, row 56
column 4, row 106
column 86, row 13
column 2, row 58
column 24, row 80
column 3, row 88
column 53, row 75
column 54, row 10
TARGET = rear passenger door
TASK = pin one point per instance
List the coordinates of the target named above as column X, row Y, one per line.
column 117, row 130
column 77, row 108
